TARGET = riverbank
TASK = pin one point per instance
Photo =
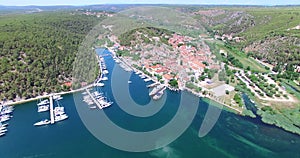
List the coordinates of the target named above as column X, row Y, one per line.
column 209, row 99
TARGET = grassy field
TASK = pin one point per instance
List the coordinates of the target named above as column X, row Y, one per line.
column 215, row 47
column 245, row 60
column 291, row 87
column 287, row 119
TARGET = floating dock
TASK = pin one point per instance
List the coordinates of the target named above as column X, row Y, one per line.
column 51, row 110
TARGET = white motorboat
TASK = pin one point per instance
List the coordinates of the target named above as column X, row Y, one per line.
column 3, row 124
column 4, row 118
column 118, row 61
column 99, row 97
column 147, row 79
column 104, row 78
column 57, row 97
column 2, row 127
column 142, row 76
column 105, row 72
column 129, row 82
column 59, row 110
column 43, row 108
column 99, row 84
column 96, row 93
column 104, row 103
column 3, row 112
column 6, row 110
column 43, row 102
column 2, row 134
column 60, row 117
column 90, row 103
column 43, row 122
column 3, row 131
column 93, row 107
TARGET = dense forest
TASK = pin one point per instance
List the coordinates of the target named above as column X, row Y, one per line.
column 37, row 51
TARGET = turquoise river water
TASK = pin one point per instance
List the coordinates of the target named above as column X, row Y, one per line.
column 232, row 136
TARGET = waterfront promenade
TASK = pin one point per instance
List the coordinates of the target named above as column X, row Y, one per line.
column 47, row 96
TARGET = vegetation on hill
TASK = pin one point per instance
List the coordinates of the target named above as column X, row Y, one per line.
column 144, row 35
column 37, row 51
column 266, row 33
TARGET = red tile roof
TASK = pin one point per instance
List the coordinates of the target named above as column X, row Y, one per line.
column 167, row 76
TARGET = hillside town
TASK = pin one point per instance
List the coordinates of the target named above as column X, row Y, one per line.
column 186, row 63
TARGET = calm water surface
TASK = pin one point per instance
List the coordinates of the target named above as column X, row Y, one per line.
column 232, row 136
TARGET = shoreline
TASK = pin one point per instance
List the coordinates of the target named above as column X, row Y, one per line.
column 13, row 103
column 237, row 111
column 206, row 98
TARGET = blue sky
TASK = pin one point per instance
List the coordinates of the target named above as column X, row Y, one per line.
column 87, row 2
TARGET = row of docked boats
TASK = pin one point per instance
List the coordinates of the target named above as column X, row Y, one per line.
column 102, row 63
column 58, row 111
column 5, row 115
column 143, row 76
column 101, row 100
column 104, row 70
column 89, row 101
column 116, row 60
column 3, row 129
column 43, row 105
column 98, row 83
column 59, row 115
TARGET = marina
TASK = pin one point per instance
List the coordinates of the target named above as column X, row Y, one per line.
column 5, row 116
column 56, row 113
column 72, row 138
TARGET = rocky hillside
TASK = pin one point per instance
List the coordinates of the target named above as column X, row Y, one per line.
column 270, row 34
column 226, row 22
column 276, row 49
